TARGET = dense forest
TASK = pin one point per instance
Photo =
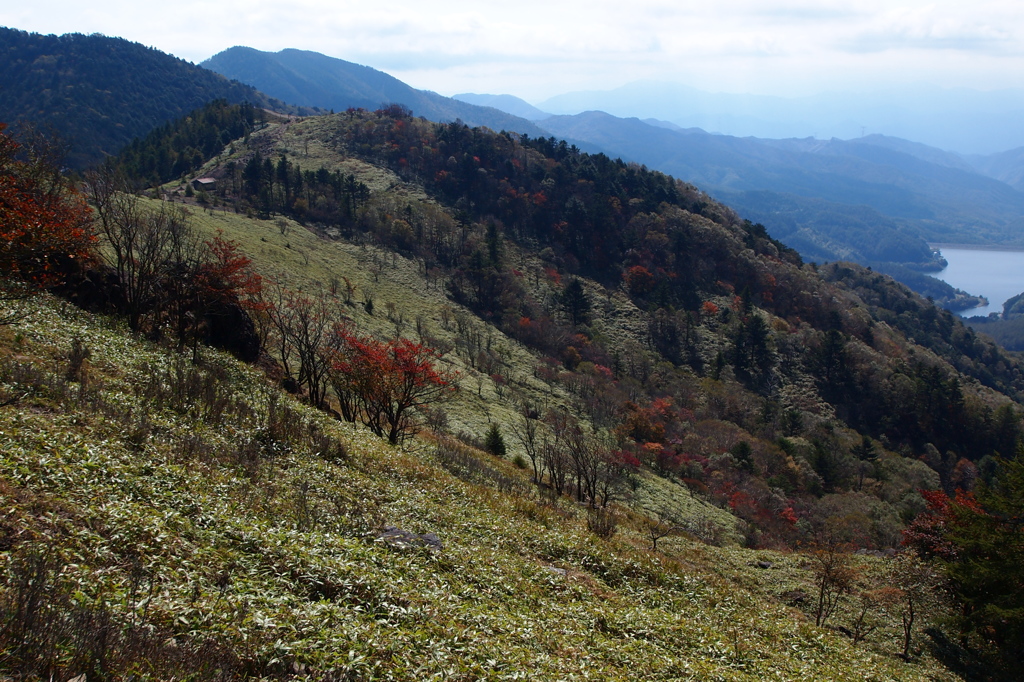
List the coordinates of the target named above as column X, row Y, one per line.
column 170, row 151
column 100, row 93
column 263, row 185
column 932, row 288
column 826, row 230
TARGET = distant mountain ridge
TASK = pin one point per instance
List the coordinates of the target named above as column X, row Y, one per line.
column 100, row 93
column 313, row 79
column 963, row 120
column 869, row 199
column 508, row 103
column 1006, row 166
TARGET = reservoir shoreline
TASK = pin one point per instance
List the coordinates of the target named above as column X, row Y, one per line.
column 939, row 246
column 995, row 272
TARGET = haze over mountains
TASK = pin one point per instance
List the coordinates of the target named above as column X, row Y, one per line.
column 510, row 103
column 910, row 191
column 961, row 120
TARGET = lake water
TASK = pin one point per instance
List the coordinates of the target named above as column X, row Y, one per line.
column 995, row 274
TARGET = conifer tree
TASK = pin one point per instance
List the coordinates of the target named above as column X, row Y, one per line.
column 495, row 442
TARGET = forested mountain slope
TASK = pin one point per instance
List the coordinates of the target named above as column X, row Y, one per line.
column 99, row 93
column 904, row 194
column 873, row 200
column 316, row 80
column 634, row 289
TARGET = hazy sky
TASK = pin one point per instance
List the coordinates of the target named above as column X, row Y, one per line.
column 536, row 49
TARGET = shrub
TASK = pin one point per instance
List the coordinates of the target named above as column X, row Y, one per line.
column 602, row 522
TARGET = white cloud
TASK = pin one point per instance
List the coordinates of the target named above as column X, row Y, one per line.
column 536, row 48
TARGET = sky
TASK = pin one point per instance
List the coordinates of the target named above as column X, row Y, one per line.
column 539, row 48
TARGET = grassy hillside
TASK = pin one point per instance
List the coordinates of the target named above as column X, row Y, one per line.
column 746, row 415
column 803, row 418
column 407, row 303
column 192, row 521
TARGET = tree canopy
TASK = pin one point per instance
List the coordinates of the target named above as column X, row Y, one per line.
column 44, row 222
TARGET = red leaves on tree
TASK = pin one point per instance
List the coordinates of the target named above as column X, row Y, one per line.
column 709, row 309
column 927, row 533
column 43, row 221
column 385, row 381
column 639, row 280
column 228, row 274
column 653, row 423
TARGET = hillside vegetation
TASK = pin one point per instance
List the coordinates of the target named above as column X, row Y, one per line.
column 873, row 200
column 867, row 199
column 169, row 519
column 694, row 338
column 100, row 93
column 648, row 405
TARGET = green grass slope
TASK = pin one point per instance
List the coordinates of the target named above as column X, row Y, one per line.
column 412, row 300
column 168, row 520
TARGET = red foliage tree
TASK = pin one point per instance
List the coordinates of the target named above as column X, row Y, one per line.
column 228, row 273
column 384, row 382
column 639, row 280
column 44, row 222
column 928, row 533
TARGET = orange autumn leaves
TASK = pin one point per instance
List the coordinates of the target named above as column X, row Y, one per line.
column 44, row 222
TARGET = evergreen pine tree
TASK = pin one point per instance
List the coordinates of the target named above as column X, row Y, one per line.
column 495, row 442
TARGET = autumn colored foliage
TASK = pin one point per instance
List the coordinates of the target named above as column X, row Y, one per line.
column 978, row 544
column 44, row 222
column 227, row 274
column 929, row 533
column 382, row 382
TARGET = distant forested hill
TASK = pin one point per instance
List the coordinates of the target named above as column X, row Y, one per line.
column 1006, row 166
column 99, row 93
column 869, row 199
column 314, row 79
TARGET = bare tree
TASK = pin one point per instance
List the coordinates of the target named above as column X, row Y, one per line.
column 339, row 372
column 555, row 451
column 585, row 455
column 915, row 587
column 556, row 461
column 834, row 575
column 308, row 325
column 526, row 430
column 179, row 286
column 865, row 620
column 137, row 240
column 661, row 524
column 611, row 481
